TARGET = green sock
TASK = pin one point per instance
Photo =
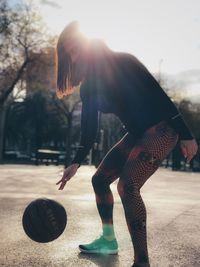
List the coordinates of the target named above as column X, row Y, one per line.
column 108, row 232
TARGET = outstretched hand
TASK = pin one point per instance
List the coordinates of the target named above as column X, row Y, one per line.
column 189, row 148
column 67, row 175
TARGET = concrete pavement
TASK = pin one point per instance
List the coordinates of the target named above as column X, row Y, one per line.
column 173, row 205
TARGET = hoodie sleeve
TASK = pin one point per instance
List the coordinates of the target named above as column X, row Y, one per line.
column 174, row 117
column 89, row 127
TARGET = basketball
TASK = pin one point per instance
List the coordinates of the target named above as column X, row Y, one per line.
column 44, row 220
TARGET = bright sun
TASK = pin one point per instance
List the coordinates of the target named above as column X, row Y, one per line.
column 103, row 31
column 138, row 27
column 90, row 30
column 95, row 21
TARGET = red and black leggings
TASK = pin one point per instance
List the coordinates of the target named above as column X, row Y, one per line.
column 133, row 161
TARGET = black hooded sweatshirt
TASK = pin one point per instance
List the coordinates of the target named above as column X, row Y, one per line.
column 119, row 83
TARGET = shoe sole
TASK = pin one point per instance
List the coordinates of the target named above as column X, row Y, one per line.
column 98, row 251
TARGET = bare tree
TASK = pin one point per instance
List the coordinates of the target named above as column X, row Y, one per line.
column 22, row 35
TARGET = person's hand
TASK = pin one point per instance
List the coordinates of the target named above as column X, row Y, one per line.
column 67, row 175
column 189, row 148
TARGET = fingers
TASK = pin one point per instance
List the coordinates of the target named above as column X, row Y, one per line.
column 192, row 150
column 63, row 182
column 189, row 158
column 195, row 148
column 62, row 185
column 189, row 152
column 62, row 179
column 59, row 181
column 184, row 151
column 66, row 177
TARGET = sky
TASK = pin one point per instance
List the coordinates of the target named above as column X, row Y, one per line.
column 163, row 34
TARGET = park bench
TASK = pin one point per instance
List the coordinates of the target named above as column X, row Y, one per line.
column 47, row 156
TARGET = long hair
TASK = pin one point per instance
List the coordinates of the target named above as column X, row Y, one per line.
column 64, row 62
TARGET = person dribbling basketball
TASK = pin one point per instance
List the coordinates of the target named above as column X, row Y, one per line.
column 118, row 83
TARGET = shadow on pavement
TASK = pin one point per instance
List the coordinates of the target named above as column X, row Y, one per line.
column 101, row 260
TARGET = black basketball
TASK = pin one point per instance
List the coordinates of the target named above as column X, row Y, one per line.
column 44, row 220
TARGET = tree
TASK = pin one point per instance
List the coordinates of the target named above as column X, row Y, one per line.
column 67, row 107
column 191, row 114
column 22, row 34
column 35, row 123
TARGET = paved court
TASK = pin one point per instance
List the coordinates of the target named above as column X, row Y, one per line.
column 172, row 200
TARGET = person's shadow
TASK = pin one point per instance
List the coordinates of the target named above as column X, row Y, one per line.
column 101, row 260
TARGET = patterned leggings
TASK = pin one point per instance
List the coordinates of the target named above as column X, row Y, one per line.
column 133, row 161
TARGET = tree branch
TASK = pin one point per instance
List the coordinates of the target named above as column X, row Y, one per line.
column 6, row 92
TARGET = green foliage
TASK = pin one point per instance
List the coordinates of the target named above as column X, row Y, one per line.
column 36, row 119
